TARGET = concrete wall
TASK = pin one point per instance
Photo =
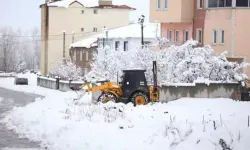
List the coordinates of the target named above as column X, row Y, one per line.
column 201, row 90
column 51, row 84
column 46, row 82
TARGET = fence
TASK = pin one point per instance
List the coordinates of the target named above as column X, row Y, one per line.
column 167, row 93
column 56, row 83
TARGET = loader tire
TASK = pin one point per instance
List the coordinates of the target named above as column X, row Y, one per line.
column 106, row 97
column 139, row 98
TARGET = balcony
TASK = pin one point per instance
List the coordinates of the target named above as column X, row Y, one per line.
column 175, row 11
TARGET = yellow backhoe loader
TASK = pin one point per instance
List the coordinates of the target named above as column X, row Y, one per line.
column 133, row 88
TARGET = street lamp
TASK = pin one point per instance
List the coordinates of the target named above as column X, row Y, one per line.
column 141, row 21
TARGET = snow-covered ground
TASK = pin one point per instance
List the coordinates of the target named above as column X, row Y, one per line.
column 32, row 88
column 61, row 124
column 184, row 124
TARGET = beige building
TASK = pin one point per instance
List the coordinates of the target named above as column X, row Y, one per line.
column 64, row 22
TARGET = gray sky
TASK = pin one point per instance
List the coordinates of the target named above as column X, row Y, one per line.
column 26, row 13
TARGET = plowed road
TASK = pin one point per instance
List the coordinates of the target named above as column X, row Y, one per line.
column 8, row 139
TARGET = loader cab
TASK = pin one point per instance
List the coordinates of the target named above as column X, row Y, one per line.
column 132, row 81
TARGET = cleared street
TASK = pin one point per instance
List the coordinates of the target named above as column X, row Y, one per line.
column 9, row 99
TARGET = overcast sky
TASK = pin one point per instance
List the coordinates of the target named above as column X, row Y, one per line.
column 26, row 13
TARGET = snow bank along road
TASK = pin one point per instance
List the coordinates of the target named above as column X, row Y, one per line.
column 8, row 100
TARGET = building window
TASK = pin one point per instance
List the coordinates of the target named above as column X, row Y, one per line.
column 219, row 3
column 199, row 35
column 170, row 35
column 94, row 29
column 125, row 45
column 222, row 36
column 214, row 36
column 166, row 4
column 81, row 55
column 87, row 55
column 185, row 35
column 95, row 11
column 242, row 3
column 82, row 11
column 199, row 4
column 117, row 44
column 176, row 36
column 82, row 29
column 158, row 4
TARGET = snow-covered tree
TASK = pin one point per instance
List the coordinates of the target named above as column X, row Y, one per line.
column 176, row 64
column 17, row 52
column 66, row 69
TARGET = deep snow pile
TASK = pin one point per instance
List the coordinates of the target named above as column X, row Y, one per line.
column 179, row 125
column 176, row 64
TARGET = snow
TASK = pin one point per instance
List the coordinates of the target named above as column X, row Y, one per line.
column 66, row 69
column 7, row 74
column 175, row 64
column 8, row 83
column 87, row 42
column 183, row 124
column 21, row 148
column 66, row 3
column 129, row 31
column 86, row 3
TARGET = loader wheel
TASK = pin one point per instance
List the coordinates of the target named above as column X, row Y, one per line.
column 106, row 97
column 139, row 98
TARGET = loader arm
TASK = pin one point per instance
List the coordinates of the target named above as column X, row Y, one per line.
column 105, row 86
column 154, row 90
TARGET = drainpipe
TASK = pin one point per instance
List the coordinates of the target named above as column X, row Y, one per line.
column 46, row 36
column 233, row 28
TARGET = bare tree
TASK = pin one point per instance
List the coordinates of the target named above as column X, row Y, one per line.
column 11, row 57
column 36, row 47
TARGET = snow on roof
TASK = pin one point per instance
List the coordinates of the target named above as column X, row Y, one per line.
column 129, row 31
column 87, row 3
column 66, row 3
column 87, row 42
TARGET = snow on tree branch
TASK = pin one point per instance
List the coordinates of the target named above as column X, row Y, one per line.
column 176, row 64
column 66, row 69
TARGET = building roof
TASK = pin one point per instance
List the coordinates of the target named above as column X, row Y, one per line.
column 129, row 31
column 88, row 4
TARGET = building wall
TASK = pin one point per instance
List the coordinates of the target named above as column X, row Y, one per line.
column 83, row 56
column 177, row 11
column 71, row 20
column 132, row 42
column 218, row 19
column 181, row 27
column 199, row 20
column 222, row 19
column 187, row 10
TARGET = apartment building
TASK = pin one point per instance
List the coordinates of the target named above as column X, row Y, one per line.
column 223, row 24
column 65, row 21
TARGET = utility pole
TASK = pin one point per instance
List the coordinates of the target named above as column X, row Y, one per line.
column 73, row 37
column 142, row 38
column 63, row 44
column 107, row 37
